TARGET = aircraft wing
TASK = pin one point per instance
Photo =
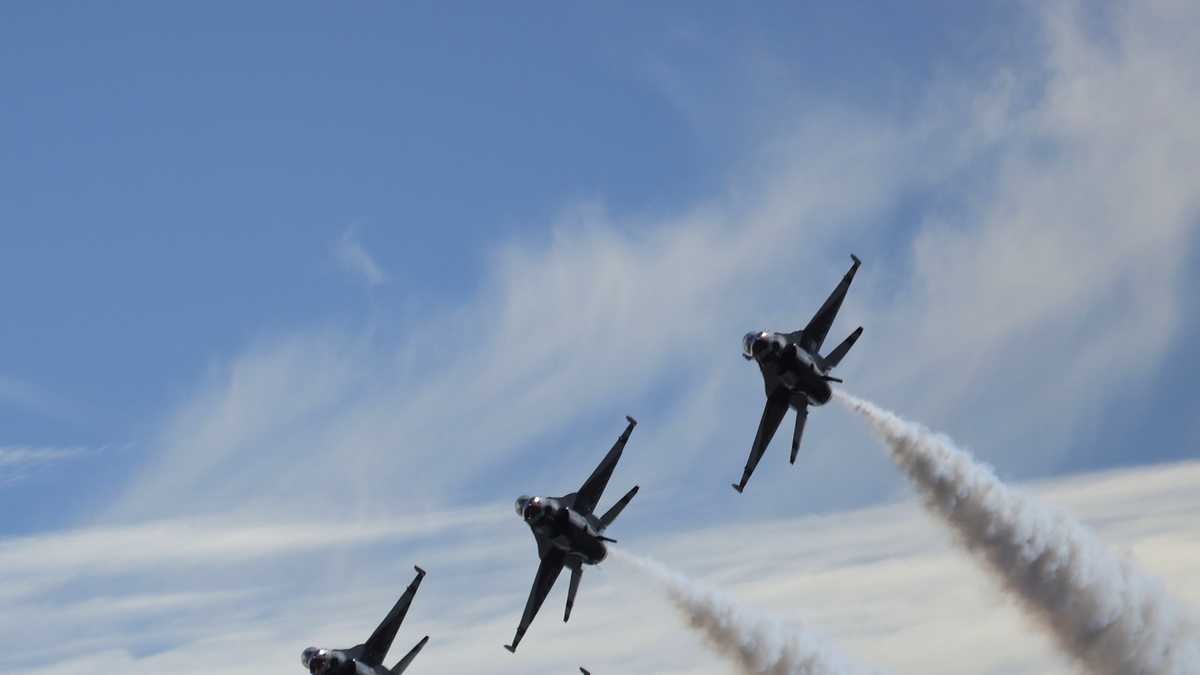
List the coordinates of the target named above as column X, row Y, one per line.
column 588, row 496
column 547, row 573
column 543, row 544
column 814, row 333
column 373, row 651
column 770, row 373
column 773, row 412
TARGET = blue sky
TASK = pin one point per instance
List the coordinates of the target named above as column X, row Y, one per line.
column 300, row 259
column 177, row 178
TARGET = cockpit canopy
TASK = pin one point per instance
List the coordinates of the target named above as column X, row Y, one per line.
column 748, row 343
column 316, row 660
column 529, row 507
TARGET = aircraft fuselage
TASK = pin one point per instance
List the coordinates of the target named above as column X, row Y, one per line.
column 565, row 529
column 795, row 368
column 337, row 662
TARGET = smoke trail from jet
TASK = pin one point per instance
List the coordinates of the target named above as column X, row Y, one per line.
column 1098, row 606
column 755, row 644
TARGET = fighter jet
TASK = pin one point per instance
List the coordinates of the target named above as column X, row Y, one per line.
column 794, row 372
column 367, row 658
column 568, row 534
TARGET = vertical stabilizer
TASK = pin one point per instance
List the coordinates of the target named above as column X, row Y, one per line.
column 798, row 432
column 576, row 576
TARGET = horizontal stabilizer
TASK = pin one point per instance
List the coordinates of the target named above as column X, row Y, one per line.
column 835, row 356
column 611, row 515
column 402, row 665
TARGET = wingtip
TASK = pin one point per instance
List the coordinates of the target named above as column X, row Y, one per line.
column 512, row 649
column 632, row 422
column 737, row 487
column 420, row 572
column 855, row 259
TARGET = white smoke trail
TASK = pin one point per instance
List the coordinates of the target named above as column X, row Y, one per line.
column 755, row 644
column 1099, row 607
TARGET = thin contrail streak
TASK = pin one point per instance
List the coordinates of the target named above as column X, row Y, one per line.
column 755, row 644
column 1099, row 607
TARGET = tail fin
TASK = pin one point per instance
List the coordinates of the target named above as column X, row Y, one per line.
column 576, row 576
column 835, row 356
column 798, row 432
column 402, row 664
column 611, row 515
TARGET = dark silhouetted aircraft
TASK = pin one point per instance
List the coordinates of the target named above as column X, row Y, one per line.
column 568, row 534
column 367, row 658
column 794, row 372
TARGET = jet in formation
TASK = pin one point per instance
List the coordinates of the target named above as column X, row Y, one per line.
column 568, row 533
column 367, row 658
column 795, row 374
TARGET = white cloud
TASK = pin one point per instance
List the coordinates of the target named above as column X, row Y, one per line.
column 355, row 259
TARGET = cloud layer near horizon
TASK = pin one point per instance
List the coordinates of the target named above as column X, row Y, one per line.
column 883, row 583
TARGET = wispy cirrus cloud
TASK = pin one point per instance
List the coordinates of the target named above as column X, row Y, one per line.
column 1052, row 217
column 860, row 577
column 200, row 541
column 353, row 257
column 17, row 461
